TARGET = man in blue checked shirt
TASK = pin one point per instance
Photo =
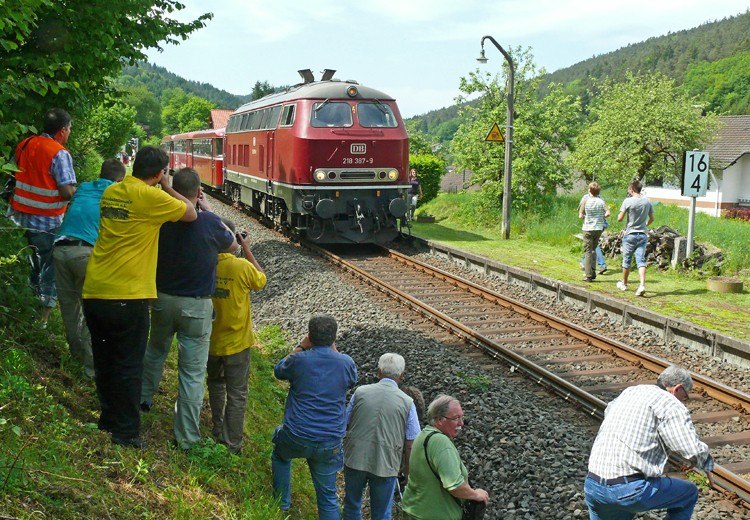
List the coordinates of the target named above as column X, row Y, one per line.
column 640, row 428
column 383, row 424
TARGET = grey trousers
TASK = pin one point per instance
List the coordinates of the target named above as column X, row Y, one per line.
column 227, row 394
column 190, row 319
column 70, row 272
column 590, row 241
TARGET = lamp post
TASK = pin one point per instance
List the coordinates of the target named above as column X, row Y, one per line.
column 508, row 136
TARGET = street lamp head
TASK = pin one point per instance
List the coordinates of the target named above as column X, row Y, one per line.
column 481, row 58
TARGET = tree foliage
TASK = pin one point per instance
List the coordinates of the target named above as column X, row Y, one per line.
column 418, row 144
column 543, row 131
column 60, row 54
column 641, row 129
column 723, row 85
column 147, row 108
column 430, row 170
column 194, row 114
column 262, row 89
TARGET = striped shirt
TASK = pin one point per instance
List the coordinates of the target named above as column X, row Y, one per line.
column 593, row 209
column 641, row 427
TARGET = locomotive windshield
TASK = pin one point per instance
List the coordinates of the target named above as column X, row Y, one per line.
column 379, row 115
column 331, row 114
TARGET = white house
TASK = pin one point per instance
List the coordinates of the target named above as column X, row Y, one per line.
column 729, row 181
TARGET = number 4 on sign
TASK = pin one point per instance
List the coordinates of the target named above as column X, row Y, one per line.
column 495, row 136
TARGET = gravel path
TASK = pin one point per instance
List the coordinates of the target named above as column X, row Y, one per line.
column 528, row 451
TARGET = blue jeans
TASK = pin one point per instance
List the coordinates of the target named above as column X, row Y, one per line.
column 624, row 501
column 600, row 261
column 325, row 459
column 42, row 276
column 381, row 494
column 634, row 243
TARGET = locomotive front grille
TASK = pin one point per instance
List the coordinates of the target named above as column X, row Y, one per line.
column 358, row 175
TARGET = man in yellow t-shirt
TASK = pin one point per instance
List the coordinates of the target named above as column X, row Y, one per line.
column 120, row 281
column 231, row 338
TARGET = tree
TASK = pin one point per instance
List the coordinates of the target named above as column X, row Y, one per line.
column 60, row 54
column 110, row 127
column 641, row 128
column 262, row 89
column 194, row 114
column 418, row 144
column 147, row 108
column 172, row 100
column 544, row 129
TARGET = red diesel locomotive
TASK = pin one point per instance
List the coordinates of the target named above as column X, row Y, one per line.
column 203, row 151
column 326, row 158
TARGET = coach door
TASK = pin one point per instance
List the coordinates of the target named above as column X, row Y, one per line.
column 189, row 154
column 214, row 153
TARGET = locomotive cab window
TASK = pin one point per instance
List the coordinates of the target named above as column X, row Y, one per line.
column 327, row 114
column 376, row 115
column 287, row 118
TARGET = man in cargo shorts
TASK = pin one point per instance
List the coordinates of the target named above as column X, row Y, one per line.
column 640, row 214
column 231, row 339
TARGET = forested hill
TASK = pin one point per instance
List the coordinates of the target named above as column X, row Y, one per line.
column 711, row 61
column 156, row 79
column 670, row 54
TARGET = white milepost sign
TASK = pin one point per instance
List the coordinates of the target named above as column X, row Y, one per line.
column 695, row 174
column 694, row 183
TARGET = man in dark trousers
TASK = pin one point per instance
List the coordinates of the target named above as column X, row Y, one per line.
column 382, row 427
column 185, row 281
column 120, row 281
column 45, row 181
column 315, row 414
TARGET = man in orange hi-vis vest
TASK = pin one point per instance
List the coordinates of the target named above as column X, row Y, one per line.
column 45, row 182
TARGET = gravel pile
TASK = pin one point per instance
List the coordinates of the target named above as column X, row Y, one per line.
column 528, row 451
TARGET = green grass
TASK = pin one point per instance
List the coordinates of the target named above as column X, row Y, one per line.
column 544, row 241
column 54, row 463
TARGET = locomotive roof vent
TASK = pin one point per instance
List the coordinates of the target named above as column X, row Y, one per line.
column 307, row 75
column 327, row 74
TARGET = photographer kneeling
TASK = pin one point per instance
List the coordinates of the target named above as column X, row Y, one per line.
column 437, row 477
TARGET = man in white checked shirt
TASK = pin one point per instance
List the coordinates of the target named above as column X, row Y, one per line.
column 641, row 427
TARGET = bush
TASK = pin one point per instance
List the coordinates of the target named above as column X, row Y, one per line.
column 737, row 214
column 429, row 169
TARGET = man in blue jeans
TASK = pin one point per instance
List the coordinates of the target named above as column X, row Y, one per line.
column 640, row 214
column 641, row 427
column 315, row 414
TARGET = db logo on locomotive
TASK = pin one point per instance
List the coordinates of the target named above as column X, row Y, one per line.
column 358, row 148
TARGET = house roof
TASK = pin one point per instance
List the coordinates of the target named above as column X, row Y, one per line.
column 732, row 140
column 219, row 118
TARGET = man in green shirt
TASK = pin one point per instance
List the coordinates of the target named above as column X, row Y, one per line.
column 426, row 496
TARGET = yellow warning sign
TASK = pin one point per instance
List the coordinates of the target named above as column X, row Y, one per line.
column 495, row 136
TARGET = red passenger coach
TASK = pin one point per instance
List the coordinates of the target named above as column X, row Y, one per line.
column 203, row 151
column 326, row 158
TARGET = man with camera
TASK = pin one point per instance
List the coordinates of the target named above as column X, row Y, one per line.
column 315, row 414
column 185, row 281
column 231, row 338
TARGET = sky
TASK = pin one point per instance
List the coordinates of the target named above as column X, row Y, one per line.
column 416, row 51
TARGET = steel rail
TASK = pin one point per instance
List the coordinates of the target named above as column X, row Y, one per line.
column 732, row 486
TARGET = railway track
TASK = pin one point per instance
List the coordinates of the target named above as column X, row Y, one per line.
column 584, row 368
column 581, row 366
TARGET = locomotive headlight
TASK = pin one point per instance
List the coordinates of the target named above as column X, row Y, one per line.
column 320, row 175
column 352, row 91
column 392, row 175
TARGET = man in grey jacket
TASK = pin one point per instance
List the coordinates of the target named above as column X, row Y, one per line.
column 382, row 426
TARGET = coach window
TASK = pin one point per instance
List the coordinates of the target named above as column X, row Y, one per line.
column 380, row 115
column 243, row 124
column 257, row 120
column 250, row 121
column 273, row 118
column 287, row 118
column 327, row 114
column 219, row 147
column 266, row 112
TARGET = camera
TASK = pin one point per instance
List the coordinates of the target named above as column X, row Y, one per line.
column 240, row 236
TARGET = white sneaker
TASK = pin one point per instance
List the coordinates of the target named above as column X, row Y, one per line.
column 622, row 286
column 641, row 289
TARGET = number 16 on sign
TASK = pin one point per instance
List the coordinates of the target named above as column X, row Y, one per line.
column 694, row 184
